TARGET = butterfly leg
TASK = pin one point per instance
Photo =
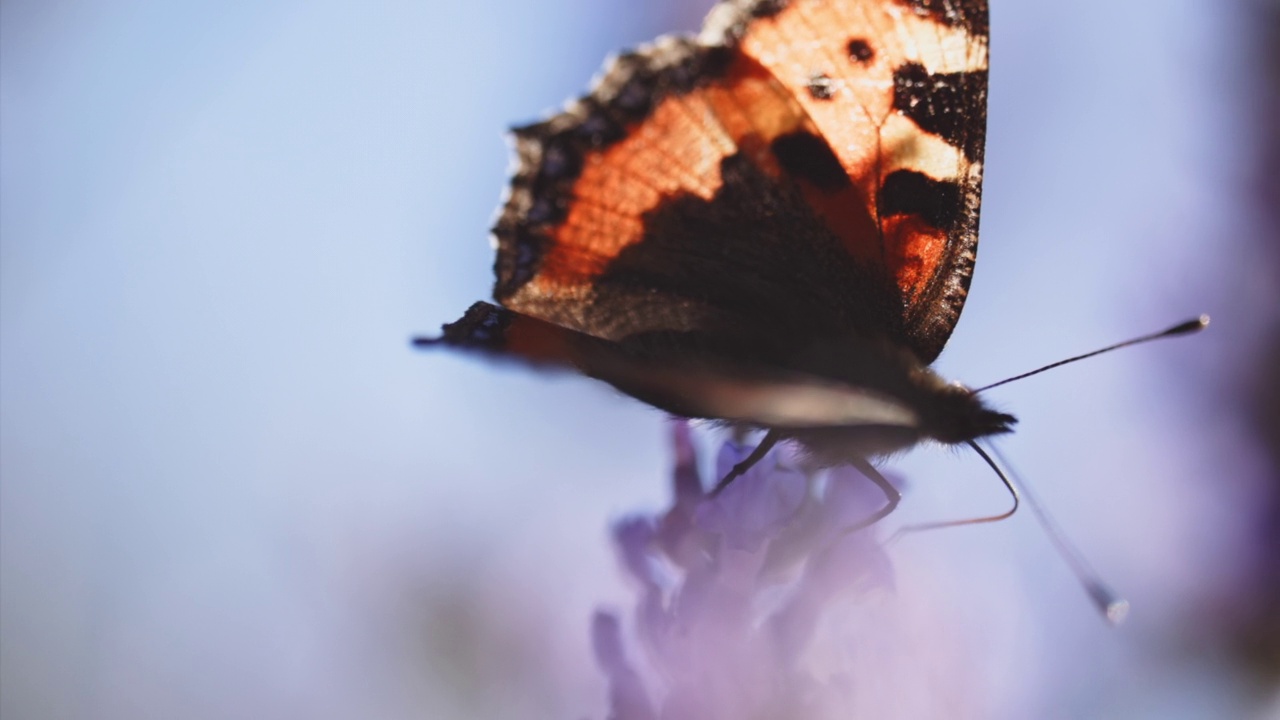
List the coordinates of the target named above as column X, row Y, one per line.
column 891, row 494
column 770, row 439
column 1013, row 493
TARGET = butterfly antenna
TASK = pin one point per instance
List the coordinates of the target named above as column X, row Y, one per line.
column 1112, row 606
column 1185, row 328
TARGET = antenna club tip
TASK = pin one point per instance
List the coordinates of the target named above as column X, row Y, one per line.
column 1113, row 607
column 1116, row 612
column 1190, row 326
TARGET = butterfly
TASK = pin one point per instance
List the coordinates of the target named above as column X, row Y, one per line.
column 772, row 224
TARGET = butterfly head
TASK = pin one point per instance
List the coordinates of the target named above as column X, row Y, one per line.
column 956, row 414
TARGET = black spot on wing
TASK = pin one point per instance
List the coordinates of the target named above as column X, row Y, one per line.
column 860, row 51
column 821, row 86
column 768, row 8
column 937, row 202
column 808, row 156
column 952, row 106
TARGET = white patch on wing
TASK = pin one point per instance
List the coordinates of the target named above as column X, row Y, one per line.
column 940, row 48
column 906, row 147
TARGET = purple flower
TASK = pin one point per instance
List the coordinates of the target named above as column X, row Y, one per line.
column 736, row 592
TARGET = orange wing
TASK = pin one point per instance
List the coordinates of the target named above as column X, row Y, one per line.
column 804, row 170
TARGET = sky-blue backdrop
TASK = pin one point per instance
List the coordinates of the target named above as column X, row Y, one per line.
column 231, row 490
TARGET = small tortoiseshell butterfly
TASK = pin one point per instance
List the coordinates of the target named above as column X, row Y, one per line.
column 772, row 224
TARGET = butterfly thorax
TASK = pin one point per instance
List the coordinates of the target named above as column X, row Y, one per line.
column 950, row 414
column 955, row 414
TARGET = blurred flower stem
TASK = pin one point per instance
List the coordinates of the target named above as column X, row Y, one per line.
column 733, row 590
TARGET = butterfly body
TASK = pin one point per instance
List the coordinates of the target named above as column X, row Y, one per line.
column 855, row 398
column 773, row 224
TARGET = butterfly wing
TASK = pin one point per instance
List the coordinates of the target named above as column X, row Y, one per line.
column 804, row 171
column 679, row 379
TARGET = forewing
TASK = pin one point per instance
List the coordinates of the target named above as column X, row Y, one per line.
column 898, row 90
column 804, row 170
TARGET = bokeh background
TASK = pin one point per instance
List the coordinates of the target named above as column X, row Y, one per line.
column 228, row 488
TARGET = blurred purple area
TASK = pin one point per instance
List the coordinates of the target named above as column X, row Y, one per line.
column 734, row 594
column 228, row 488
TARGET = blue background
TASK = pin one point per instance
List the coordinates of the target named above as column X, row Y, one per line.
column 230, row 489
